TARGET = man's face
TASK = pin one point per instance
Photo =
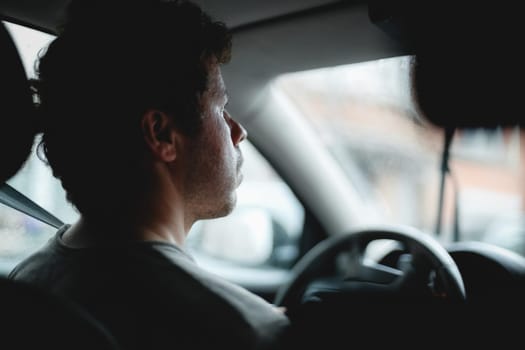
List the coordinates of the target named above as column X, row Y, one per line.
column 214, row 159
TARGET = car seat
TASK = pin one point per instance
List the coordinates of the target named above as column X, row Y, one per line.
column 30, row 317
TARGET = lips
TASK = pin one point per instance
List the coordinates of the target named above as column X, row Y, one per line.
column 240, row 161
column 240, row 177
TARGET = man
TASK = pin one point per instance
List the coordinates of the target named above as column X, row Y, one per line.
column 132, row 107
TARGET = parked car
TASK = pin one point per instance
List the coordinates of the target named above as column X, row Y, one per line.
column 345, row 194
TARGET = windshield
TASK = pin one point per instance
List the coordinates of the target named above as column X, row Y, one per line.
column 365, row 116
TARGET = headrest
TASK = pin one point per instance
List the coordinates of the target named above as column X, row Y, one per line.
column 17, row 124
column 468, row 62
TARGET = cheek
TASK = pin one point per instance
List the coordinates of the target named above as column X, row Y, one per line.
column 216, row 142
column 220, row 135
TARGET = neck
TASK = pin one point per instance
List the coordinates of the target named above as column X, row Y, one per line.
column 160, row 215
column 86, row 233
column 171, row 230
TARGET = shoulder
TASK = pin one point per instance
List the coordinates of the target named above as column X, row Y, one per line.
column 37, row 263
column 210, row 301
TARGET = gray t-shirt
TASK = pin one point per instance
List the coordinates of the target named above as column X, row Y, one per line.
column 152, row 295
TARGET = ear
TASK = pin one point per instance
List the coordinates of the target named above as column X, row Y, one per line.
column 160, row 135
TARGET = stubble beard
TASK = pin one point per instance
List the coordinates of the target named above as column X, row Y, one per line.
column 212, row 192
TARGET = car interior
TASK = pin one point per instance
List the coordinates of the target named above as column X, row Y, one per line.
column 384, row 173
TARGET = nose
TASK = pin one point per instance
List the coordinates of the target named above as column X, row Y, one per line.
column 238, row 132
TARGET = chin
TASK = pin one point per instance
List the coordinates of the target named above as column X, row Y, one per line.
column 229, row 205
column 224, row 210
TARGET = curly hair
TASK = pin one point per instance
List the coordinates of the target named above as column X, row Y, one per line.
column 111, row 62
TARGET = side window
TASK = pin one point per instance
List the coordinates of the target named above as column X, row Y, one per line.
column 263, row 229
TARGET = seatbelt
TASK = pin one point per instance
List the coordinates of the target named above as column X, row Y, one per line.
column 18, row 201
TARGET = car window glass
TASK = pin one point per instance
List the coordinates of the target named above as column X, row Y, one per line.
column 365, row 115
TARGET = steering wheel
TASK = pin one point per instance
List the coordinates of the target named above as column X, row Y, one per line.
column 427, row 258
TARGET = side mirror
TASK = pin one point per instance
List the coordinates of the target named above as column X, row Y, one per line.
column 244, row 237
column 250, row 236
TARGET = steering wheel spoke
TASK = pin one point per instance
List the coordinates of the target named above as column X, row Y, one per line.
column 375, row 273
column 357, row 275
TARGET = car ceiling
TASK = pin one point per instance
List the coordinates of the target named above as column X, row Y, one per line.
column 45, row 14
column 271, row 37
